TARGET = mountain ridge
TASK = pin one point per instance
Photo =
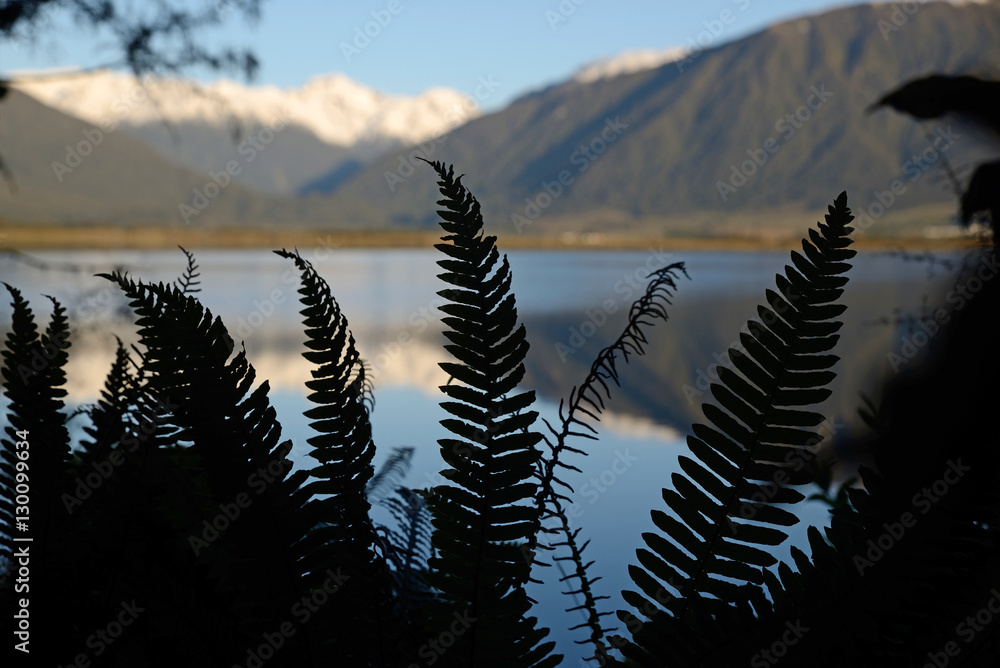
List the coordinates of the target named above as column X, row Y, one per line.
column 689, row 127
column 73, row 173
column 335, row 118
column 771, row 122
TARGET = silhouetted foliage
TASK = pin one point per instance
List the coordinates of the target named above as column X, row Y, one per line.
column 160, row 37
column 197, row 525
column 589, row 400
column 974, row 100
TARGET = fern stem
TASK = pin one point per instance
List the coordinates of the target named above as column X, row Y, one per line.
column 589, row 399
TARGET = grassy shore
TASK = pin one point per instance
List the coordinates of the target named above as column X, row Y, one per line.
column 53, row 237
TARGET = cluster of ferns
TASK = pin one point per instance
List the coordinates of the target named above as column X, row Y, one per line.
column 227, row 555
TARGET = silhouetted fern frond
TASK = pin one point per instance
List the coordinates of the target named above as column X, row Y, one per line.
column 109, row 415
column 909, row 570
column 35, row 454
column 590, row 396
column 409, row 547
column 343, row 448
column 589, row 399
column 390, row 473
column 33, row 375
column 726, row 502
column 232, row 435
column 483, row 515
column 359, row 624
column 188, row 282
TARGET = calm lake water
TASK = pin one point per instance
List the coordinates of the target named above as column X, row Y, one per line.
column 389, row 298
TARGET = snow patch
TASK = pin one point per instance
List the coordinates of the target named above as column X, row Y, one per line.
column 334, row 107
column 629, row 62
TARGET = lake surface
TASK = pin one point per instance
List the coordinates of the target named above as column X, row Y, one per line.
column 389, row 298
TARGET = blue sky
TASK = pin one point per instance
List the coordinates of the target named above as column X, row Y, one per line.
column 521, row 44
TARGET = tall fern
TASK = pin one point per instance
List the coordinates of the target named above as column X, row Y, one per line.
column 389, row 474
column 483, row 514
column 358, row 625
column 725, row 504
column 34, row 454
column 231, row 434
column 908, row 572
column 410, row 544
column 589, row 400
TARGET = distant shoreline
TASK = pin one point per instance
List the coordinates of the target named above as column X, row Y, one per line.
column 85, row 237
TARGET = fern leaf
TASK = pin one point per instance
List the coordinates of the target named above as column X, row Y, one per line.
column 188, row 282
column 390, row 473
column 725, row 503
column 911, row 562
column 483, row 515
column 361, row 624
column 343, row 448
column 33, row 373
column 108, row 417
column 589, row 399
column 409, row 547
column 235, row 445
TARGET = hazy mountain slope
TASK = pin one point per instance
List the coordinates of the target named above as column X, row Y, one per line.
column 663, row 140
column 122, row 180
column 687, row 126
column 637, row 60
column 329, row 120
column 295, row 157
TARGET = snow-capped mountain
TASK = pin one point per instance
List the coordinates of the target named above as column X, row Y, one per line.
column 331, row 122
column 324, row 132
column 628, row 62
